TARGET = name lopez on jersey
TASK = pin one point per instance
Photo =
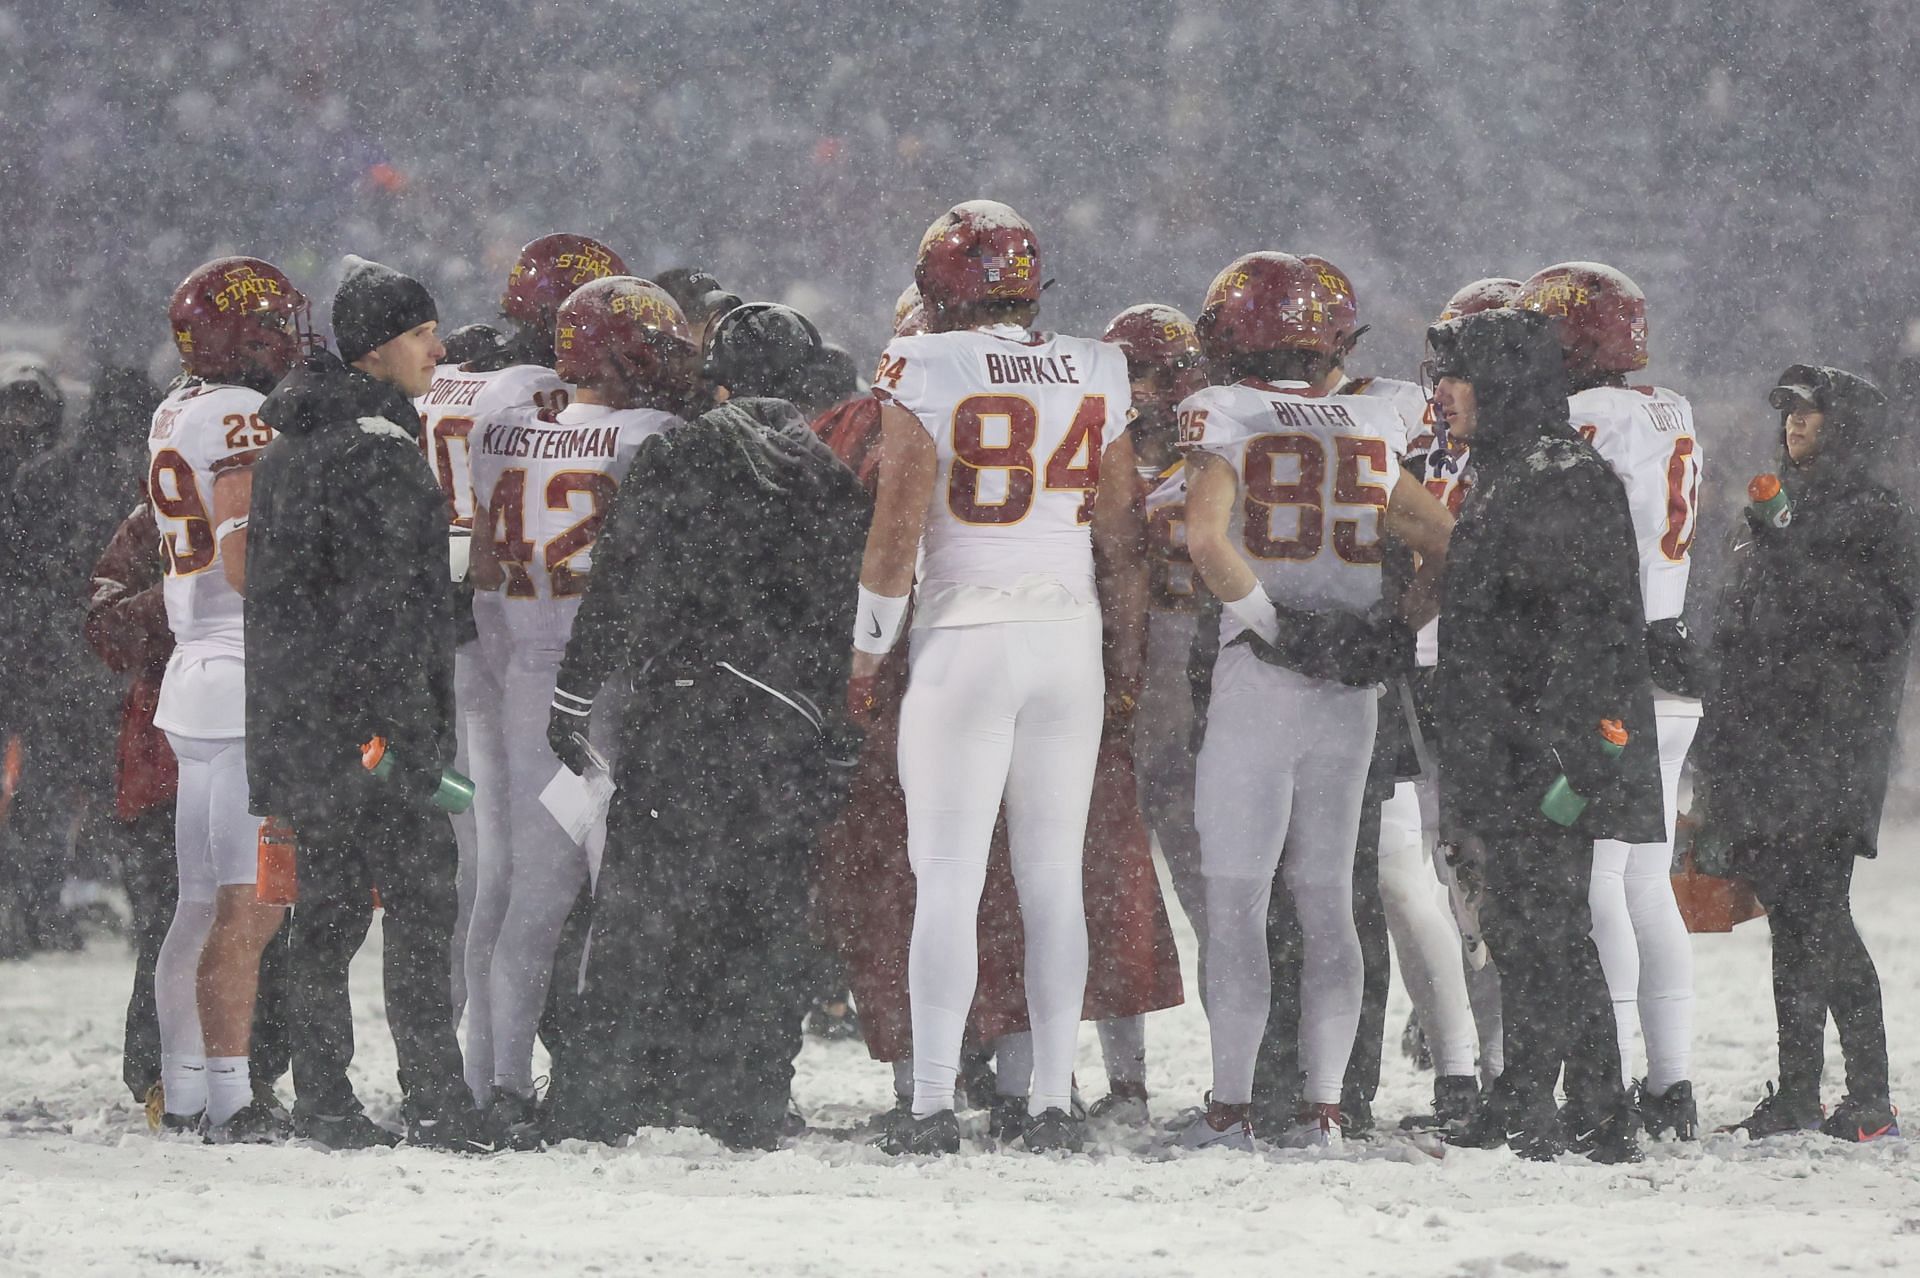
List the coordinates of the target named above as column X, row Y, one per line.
column 563, row 444
column 1051, row 370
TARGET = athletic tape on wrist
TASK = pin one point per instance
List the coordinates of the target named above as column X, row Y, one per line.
column 877, row 622
column 1255, row 611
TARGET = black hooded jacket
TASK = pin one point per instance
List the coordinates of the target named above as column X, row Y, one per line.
column 349, row 605
column 1812, row 637
column 1542, row 635
column 735, row 537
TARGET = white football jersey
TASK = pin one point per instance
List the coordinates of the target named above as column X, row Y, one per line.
column 462, row 403
column 200, row 431
column 1315, row 474
column 547, row 478
column 1415, row 409
column 1646, row 435
column 1020, row 421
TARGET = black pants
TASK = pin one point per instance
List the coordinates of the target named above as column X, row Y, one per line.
column 1553, row 997
column 346, row 850
column 1820, row 964
column 1276, row 1071
column 700, row 965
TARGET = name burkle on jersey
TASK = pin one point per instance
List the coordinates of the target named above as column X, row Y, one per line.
column 1646, row 434
column 1315, row 474
column 460, row 402
column 1019, row 421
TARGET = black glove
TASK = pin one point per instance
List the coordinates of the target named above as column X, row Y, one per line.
column 1360, row 650
column 1678, row 663
column 567, row 729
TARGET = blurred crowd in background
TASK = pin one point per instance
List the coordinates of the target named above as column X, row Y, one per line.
column 1748, row 162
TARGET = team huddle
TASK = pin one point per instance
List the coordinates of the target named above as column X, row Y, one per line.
column 1175, row 586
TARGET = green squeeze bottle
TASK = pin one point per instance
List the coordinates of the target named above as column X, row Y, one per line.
column 1562, row 805
column 455, row 794
column 1768, row 500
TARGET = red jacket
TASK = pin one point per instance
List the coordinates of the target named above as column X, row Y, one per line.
column 126, row 626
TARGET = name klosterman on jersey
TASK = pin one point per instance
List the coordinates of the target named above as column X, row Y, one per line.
column 550, row 445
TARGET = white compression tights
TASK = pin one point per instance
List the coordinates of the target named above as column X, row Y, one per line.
column 548, row 871
column 480, row 755
column 1644, row 947
column 1013, row 708
column 1425, row 938
column 1280, row 781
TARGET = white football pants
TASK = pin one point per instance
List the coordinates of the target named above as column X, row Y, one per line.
column 478, row 755
column 524, row 896
column 1009, row 709
column 1280, row 781
column 1425, row 937
column 1644, row 947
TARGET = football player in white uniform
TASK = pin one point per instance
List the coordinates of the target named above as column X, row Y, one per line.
column 544, row 479
column 1646, row 434
column 464, row 400
column 1290, row 495
column 994, row 437
column 240, row 325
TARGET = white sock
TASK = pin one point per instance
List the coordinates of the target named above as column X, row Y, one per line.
column 229, row 1087
column 184, row 1080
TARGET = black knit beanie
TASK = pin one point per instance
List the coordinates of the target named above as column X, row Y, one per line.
column 375, row 304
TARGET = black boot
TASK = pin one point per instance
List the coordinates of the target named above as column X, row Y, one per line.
column 1055, row 1131
column 1456, row 1104
column 1779, row 1113
column 1612, row 1137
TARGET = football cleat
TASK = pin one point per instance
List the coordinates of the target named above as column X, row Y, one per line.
column 252, row 1124
column 1315, row 1126
column 935, row 1134
column 457, row 1129
column 1611, row 1136
column 514, row 1122
column 1124, row 1105
column 1054, row 1131
column 1356, row 1117
column 1220, row 1126
column 1672, row 1110
column 1862, row 1120
column 1007, row 1118
column 1456, row 1103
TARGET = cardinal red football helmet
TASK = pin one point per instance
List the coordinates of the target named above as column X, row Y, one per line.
column 1494, row 293
column 1602, row 314
column 979, row 251
column 1274, row 302
column 627, row 339
column 240, row 320
column 549, row 269
column 1162, row 349
column 909, row 313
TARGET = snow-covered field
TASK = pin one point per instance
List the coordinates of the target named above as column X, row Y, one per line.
column 84, row 1190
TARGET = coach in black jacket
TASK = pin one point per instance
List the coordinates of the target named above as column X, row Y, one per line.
column 1541, row 638
column 1815, row 624
column 721, row 584
column 350, row 635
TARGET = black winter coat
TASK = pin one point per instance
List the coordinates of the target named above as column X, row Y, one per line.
column 735, row 537
column 1542, row 634
column 1812, row 638
column 349, row 607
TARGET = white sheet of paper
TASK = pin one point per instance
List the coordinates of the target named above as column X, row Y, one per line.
column 579, row 804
